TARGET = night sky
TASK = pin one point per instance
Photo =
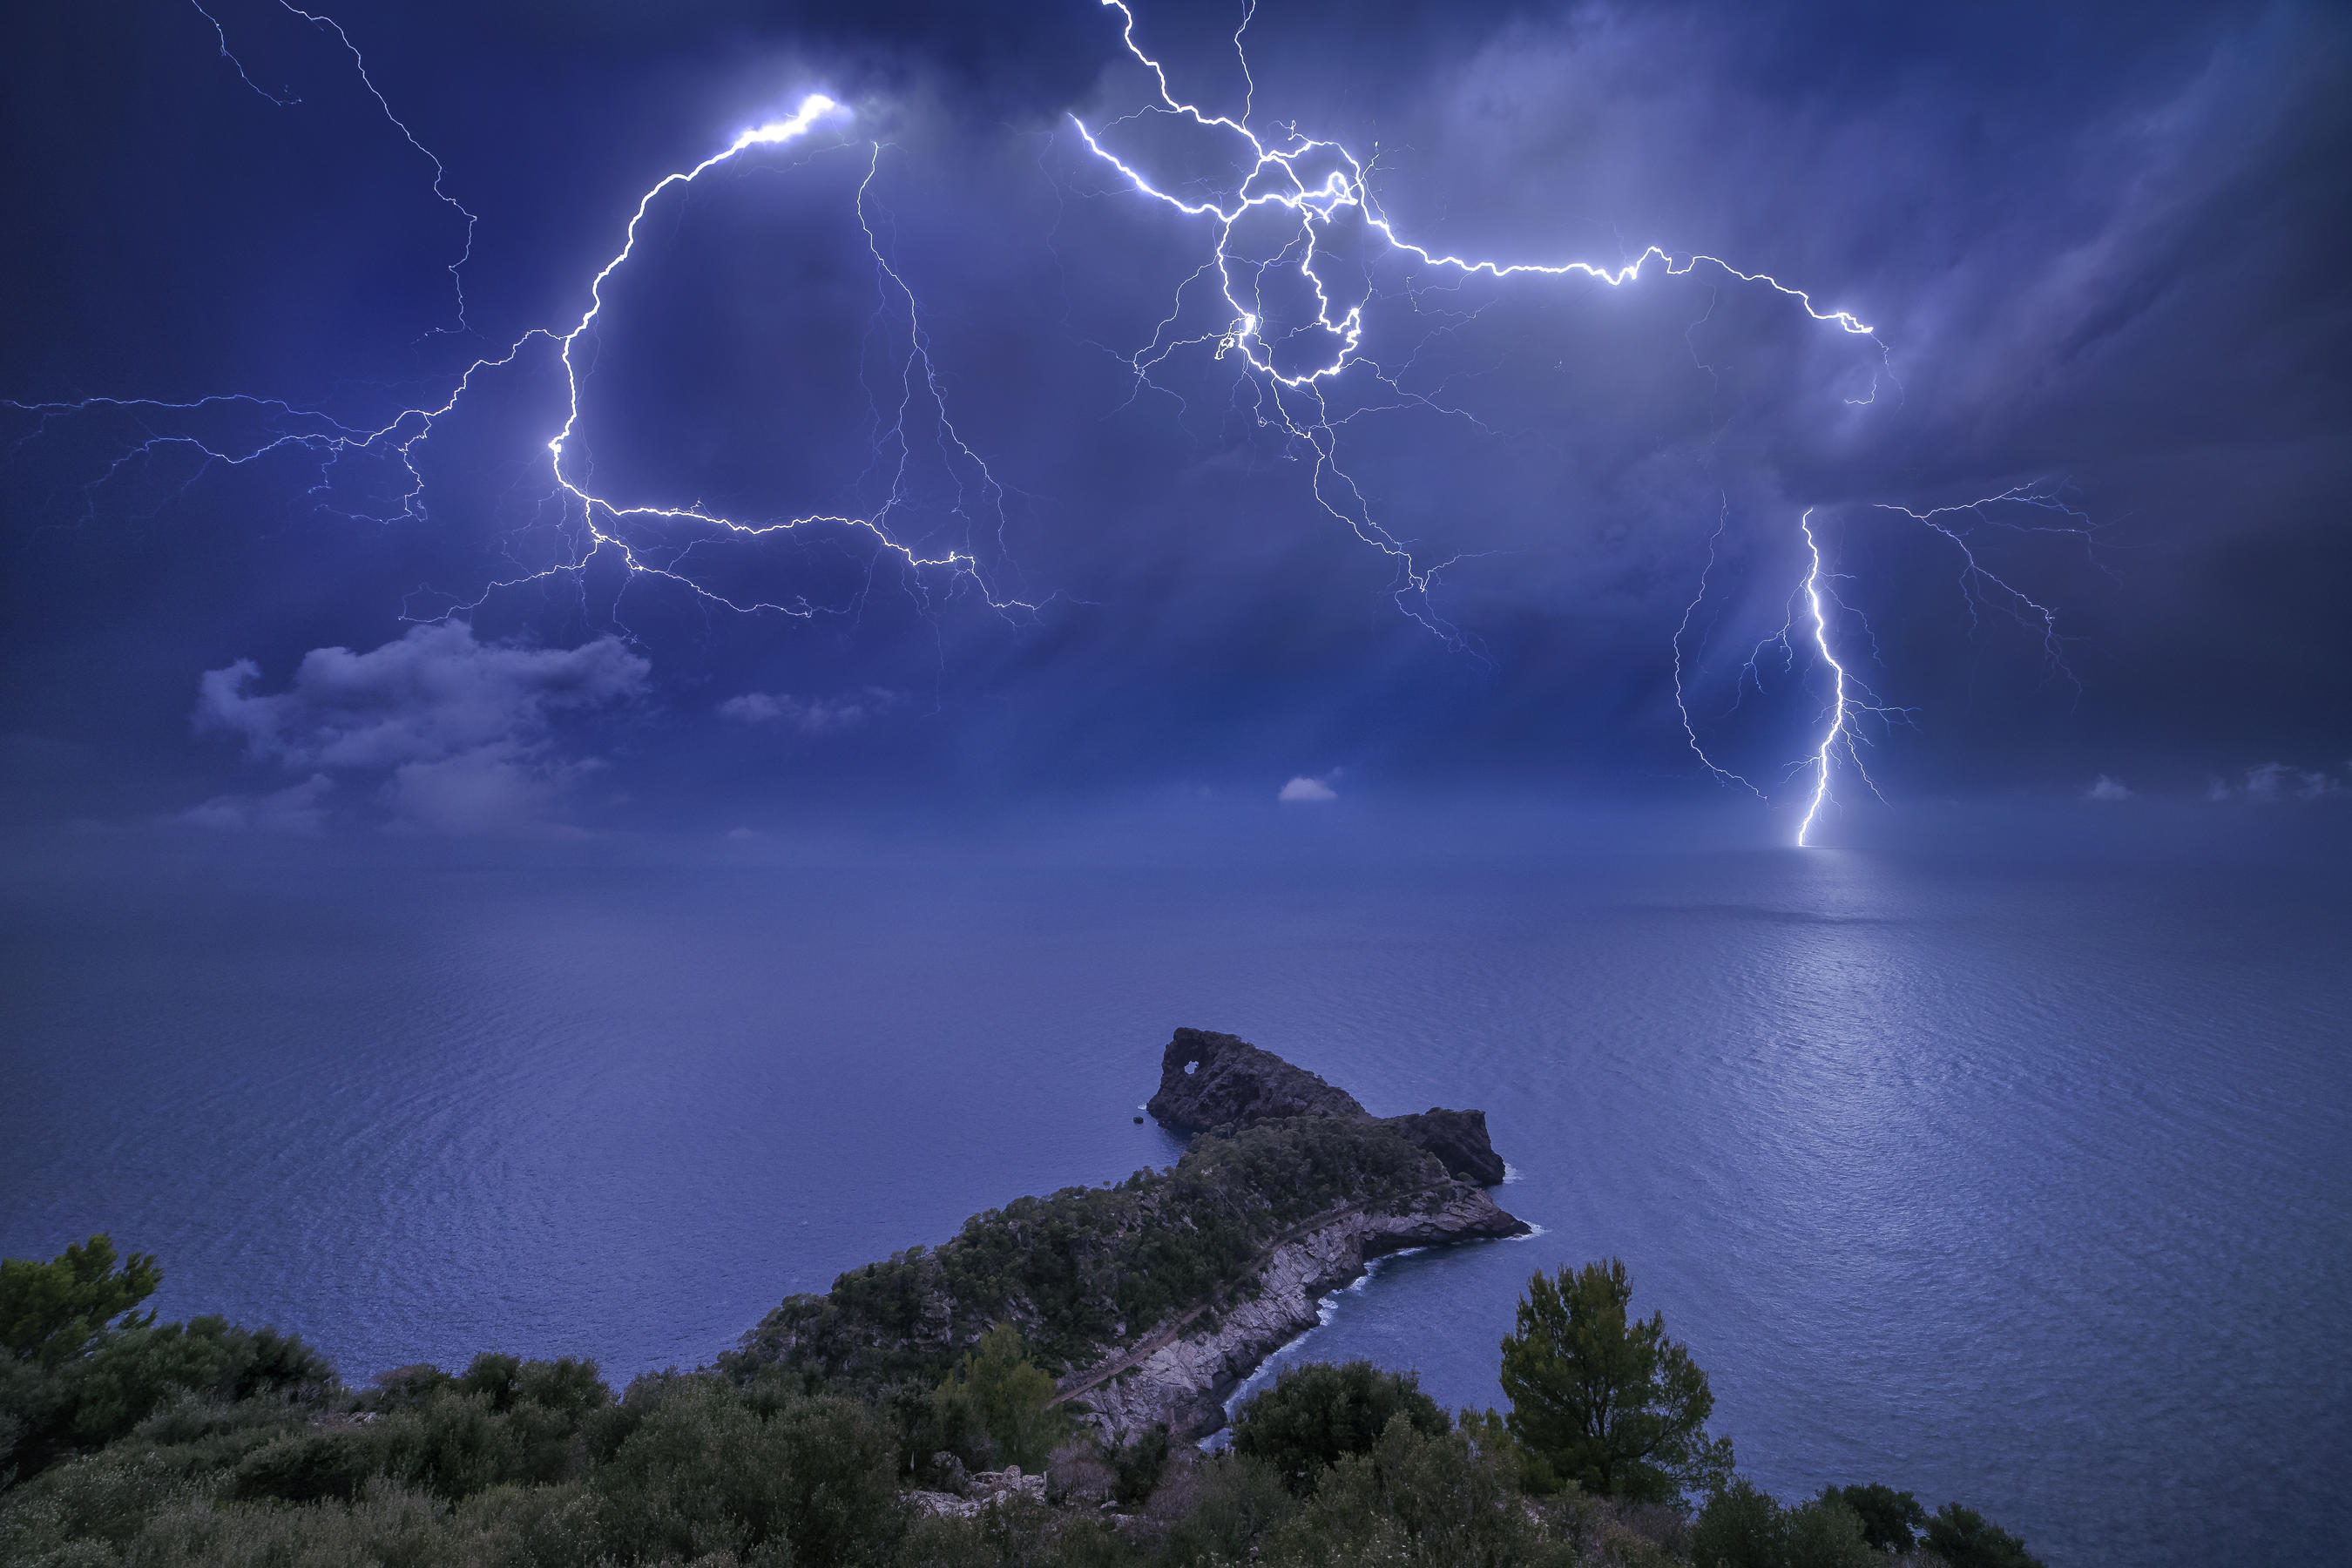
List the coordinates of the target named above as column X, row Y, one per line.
column 2103, row 247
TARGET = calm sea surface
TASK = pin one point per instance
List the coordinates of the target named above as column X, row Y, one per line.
column 2027, row 1186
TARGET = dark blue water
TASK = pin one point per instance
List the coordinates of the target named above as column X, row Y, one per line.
column 2026, row 1184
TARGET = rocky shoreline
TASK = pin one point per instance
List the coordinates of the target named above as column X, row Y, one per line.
column 1183, row 1378
column 1219, row 1083
column 1150, row 1300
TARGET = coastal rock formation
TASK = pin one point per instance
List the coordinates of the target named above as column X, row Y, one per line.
column 1184, row 1373
column 1211, row 1082
column 1149, row 1299
column 1458, row 1139
column 1221, row 1083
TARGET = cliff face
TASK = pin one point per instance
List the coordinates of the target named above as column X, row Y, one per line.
column 1211, row 1082
column 1149, row 1299
column 1184, row 1373
column 1458, row 1139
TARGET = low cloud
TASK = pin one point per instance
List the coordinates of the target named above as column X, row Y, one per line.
column 811, row 715
column 299, row 809
column 2269, row 783
column 460, row 730
column 2105, row 788
column 1304, row 789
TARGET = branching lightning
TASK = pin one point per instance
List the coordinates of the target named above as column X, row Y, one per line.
column 1321, row 184
column 1682, row 629
column 1975, row 580
column 1318, row 196
column 607, row 525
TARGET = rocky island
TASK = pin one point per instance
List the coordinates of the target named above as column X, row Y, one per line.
column 1150, row 1300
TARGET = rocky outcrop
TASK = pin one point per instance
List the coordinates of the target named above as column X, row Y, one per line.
column 1149, row 1299
column 1221, row 1083
column 1458, row 1139
column 981, row 1491
column 1184, row 1373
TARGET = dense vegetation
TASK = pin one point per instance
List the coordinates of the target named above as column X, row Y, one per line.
column 1091, row 1266
column 125, row 1442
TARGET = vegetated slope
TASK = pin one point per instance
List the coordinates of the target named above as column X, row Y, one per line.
column 1089, row 1270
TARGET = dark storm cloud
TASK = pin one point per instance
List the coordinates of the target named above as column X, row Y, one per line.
column 2098, row 244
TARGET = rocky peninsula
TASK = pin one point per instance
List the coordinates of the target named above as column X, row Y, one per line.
column 1152, row 1299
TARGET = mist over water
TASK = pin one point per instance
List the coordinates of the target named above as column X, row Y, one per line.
column 2007, row 1177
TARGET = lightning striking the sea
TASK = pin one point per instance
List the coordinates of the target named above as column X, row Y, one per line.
column 1296, row 355
column 1321, row 182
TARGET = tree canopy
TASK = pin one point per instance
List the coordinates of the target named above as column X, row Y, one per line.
column 1605, row 1400
column 1316, row 1414
column 49, row 1312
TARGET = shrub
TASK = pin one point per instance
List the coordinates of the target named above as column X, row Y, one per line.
column 1316, row 1414
column 702, row 1472
column 1218, row 1510
column 1826, row 1533
column 1966, row 1538
column 1137, row 1464
column 1890, row 1520
column 1742, row 1526
column 1416, row 1497
column 998, row 1389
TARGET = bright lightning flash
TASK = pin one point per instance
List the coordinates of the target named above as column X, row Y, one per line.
column 1320, row 189
column 1839, row 736
column 1317, row 186
column 609, row 528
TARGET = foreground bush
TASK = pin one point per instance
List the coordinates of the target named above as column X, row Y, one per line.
column 1316, row 1414
column 202, row 1445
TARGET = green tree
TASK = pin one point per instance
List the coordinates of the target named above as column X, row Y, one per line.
column 1010, row 1396
column 1608, row 1401
column 1966, row 1538
column 1137, row 1464
column 1742, row 1526
column 1429, row 1500
column 1891, row 1520
column 1826, row 1533
column 50, row 1313
column 1316, row 1414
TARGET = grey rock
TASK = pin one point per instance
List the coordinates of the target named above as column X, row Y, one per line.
column 1184, row 1373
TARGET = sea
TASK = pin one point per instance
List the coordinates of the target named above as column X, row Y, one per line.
column 2014, row 1169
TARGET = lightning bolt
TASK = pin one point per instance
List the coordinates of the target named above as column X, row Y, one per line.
column 1979, row 586
column 1844, row 707
column 1319, row 184
column 1682, row 629
column 1295, row 362
column 610, row 526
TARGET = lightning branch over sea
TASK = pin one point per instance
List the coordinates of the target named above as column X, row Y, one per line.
column 1318, row 186
column 1318, row 195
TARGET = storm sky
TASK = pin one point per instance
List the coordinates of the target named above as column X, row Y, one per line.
column 2102, row 247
